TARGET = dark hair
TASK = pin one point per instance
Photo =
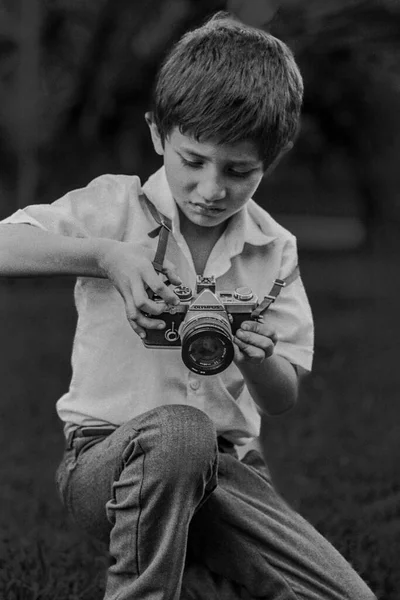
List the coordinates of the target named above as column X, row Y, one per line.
column 229, row 82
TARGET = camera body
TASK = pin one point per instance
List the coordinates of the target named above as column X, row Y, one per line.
column 203, row 324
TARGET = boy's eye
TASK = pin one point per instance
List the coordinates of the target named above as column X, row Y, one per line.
column 240, row 173
column 196, row 164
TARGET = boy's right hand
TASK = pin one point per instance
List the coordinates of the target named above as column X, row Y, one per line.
column 129, row 267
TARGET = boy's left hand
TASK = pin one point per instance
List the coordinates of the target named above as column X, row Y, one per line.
column 254, row 342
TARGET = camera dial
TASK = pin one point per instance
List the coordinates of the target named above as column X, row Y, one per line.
column 183, row 292
column 243, row 294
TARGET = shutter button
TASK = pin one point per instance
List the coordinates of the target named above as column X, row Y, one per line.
column 195, row 384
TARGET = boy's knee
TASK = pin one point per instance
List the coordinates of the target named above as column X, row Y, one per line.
column 187, row 436
column 182, row 439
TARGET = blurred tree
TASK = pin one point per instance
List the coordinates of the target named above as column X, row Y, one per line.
column 349, row 56
column 348, row 52
column 90, row 65
column 8, row 63
column 39, row 42
column 115, row 80
column 25, row 116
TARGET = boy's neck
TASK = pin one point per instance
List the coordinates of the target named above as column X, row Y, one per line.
column 200, row 240
column 192, row 231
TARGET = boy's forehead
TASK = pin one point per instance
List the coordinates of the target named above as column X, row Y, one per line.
column 241, row 152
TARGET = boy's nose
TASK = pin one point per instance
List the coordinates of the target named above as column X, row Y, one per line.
column 211, row 189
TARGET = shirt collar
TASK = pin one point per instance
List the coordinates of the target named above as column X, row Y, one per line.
column 251, row 225
column 158, row 192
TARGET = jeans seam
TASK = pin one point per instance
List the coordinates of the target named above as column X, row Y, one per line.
column 140, row 510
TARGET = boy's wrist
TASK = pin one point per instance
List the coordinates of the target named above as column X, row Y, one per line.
column 273, row 384
column 100, row 250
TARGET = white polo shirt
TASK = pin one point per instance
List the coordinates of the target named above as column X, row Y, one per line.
column 116, row 378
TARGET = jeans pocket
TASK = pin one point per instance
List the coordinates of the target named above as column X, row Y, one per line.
column 63, row 473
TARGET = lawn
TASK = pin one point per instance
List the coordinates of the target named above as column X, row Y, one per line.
column 335, row 456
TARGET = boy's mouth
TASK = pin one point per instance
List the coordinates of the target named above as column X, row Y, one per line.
column 204, row 209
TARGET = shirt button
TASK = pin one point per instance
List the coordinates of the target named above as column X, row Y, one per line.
column 195, row 384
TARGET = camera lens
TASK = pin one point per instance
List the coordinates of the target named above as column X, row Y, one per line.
column 207, row 347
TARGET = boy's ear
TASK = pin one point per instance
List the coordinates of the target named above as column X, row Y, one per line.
column 155, row 134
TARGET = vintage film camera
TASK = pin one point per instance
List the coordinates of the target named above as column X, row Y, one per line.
column 203, row 324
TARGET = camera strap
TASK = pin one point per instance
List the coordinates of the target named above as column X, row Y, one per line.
column 163, row 231
column 276, row 289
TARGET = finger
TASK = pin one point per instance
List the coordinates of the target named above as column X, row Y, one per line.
column 170, row 271
column 140, row 323
column 151, row 307
column 260, row 328
column 156, row 284
column 132, row 316
column 138, row 330
column 238, row 354
column 254, row 340
column 144, row 322
column 250, row 351
column 138, row 320
column 144, row 311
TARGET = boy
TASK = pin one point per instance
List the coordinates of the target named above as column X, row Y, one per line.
column 151, row 465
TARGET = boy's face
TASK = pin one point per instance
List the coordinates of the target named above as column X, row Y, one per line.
column 209, row 182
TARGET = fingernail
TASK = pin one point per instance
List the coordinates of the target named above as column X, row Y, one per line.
column 245, row 326
column 142, row 335
column 161, row 326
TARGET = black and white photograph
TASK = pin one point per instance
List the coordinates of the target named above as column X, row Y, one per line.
column 199, row 300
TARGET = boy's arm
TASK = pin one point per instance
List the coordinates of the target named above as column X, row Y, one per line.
column 271, row 379
column 267, row 350
column 26, row 250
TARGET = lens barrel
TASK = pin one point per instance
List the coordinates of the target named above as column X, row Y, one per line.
column 207, row 346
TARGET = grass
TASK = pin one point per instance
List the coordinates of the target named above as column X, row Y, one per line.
column 335, row 456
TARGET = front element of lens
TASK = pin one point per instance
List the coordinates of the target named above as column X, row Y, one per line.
column 207, row 346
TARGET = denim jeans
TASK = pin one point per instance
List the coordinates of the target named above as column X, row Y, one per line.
column 186, row 519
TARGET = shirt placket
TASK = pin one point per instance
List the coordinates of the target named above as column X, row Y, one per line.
column 195, row 391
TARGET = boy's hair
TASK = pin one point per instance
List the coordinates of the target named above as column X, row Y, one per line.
column 228, row 82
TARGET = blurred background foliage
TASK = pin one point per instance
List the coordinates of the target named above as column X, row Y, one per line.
column 76, row 78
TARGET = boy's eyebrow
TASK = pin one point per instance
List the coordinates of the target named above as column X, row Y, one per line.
column 237, row 162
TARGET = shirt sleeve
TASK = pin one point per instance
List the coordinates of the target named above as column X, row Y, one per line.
column 101, row 209
column 291, row 314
